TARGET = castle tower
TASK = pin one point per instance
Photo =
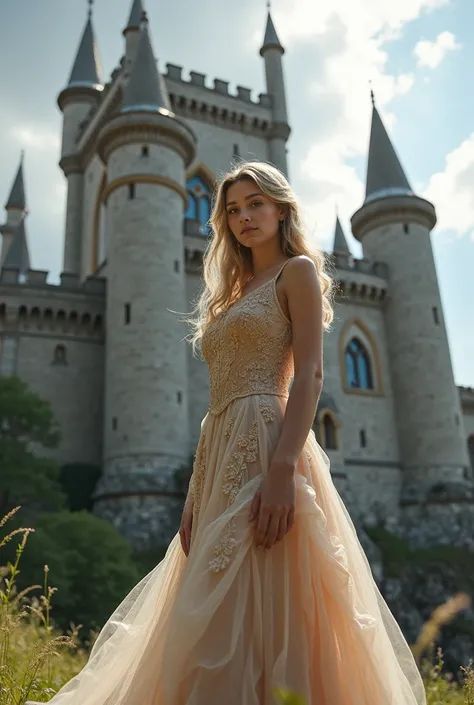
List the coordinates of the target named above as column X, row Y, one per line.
column 132, row 35
column 16, row 213
column 80, row 96
column 340, row 245
column 272, row 52
column 394, row 226
column 146, row 150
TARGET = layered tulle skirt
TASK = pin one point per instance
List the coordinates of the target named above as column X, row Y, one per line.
column 231, row 622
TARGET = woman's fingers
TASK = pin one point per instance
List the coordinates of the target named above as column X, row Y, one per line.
column 261, row 530
column 272, row 530
column 254, row 507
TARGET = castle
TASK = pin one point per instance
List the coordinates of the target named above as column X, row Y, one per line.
column 141, row 154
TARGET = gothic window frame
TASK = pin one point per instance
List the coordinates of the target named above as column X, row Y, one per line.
column 199, row 189
column 355, row 331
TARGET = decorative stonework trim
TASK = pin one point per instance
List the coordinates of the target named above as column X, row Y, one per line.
column 202, row 170
column 145, row 179
column 374, row 358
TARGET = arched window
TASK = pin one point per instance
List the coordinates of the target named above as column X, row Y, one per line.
column 60, row 355
column 199, row 205
column 358, row 365
column 329, row 432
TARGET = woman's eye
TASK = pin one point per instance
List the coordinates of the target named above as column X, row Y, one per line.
column 256, row 203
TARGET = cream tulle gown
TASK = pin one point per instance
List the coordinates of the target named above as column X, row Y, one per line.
column 231, row 621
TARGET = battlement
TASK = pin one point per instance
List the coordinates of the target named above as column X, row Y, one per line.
column 29, row 303
column 38, row 278
column 360, row 280
column 467, row 397
column 175, row 73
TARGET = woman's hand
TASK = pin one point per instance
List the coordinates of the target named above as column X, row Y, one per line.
column 186, row 525
column 273, row 507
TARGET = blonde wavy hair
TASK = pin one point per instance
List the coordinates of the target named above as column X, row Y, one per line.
column 228, row 267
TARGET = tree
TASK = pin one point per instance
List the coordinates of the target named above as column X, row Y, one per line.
column 27, row 430
column 78, row 482
column 89, row 563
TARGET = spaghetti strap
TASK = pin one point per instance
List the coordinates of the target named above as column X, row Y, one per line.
column 281, row 269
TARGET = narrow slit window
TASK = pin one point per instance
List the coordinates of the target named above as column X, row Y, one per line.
column 406, row 229
column 145, row 151
column 128, row 313
column 114, row 423
column 435, row 315
column 363, row 438
column 131, row 191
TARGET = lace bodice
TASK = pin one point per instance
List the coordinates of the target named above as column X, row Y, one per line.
column 248, row 348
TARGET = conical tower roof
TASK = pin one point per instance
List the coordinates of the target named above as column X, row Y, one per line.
column 86, row 71
column 385, row 175
column 17, row 198
column 340, row 243
column 135, row 19
column 18, row 255
column 145, row 89
column 271, row 40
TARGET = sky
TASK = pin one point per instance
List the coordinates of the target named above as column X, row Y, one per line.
column 416, row 55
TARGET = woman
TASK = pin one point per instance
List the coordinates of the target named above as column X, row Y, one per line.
column 266, row 584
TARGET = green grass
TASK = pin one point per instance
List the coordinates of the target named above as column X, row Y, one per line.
column 36, row 660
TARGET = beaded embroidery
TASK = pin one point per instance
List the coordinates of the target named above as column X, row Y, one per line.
column 199, row 471
column 248, row 349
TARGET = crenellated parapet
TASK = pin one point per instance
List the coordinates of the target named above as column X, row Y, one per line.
column 466, row 395
column 71, row 308
column 360, row 280
column 216, row 104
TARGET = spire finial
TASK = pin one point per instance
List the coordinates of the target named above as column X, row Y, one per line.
column 269, row 5
column 91, row 3
column 372, row 96
column 143, row 19
column 22, row 156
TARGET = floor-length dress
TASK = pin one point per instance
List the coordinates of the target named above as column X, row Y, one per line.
column 232, row 621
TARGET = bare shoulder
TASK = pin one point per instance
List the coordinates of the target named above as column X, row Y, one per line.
column 300, row 276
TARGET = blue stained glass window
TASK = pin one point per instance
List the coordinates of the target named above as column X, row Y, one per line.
column 191, row 213
column 199, row 207
column 204, row 210
column 358, row 366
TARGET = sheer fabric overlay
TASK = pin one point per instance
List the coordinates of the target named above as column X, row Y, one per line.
column 232, row 621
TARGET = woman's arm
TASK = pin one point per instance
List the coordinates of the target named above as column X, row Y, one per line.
column 274, row 503
column 303, row 293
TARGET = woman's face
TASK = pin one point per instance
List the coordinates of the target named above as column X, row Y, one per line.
column 253, row 218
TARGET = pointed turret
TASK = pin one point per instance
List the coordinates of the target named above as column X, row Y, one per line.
column 17, row 256
column 272, row 52
column 385, row 175
column 16, row 211
column 132, row 35
column 17, row 198
column 86, row 71
column 145, row 89
column 340, row 245
column 135, row 19
column 271, row 40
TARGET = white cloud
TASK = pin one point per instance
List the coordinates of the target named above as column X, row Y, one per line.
column 351, row 37
column 31, row 137
column 431, row 53
column 452, row 190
